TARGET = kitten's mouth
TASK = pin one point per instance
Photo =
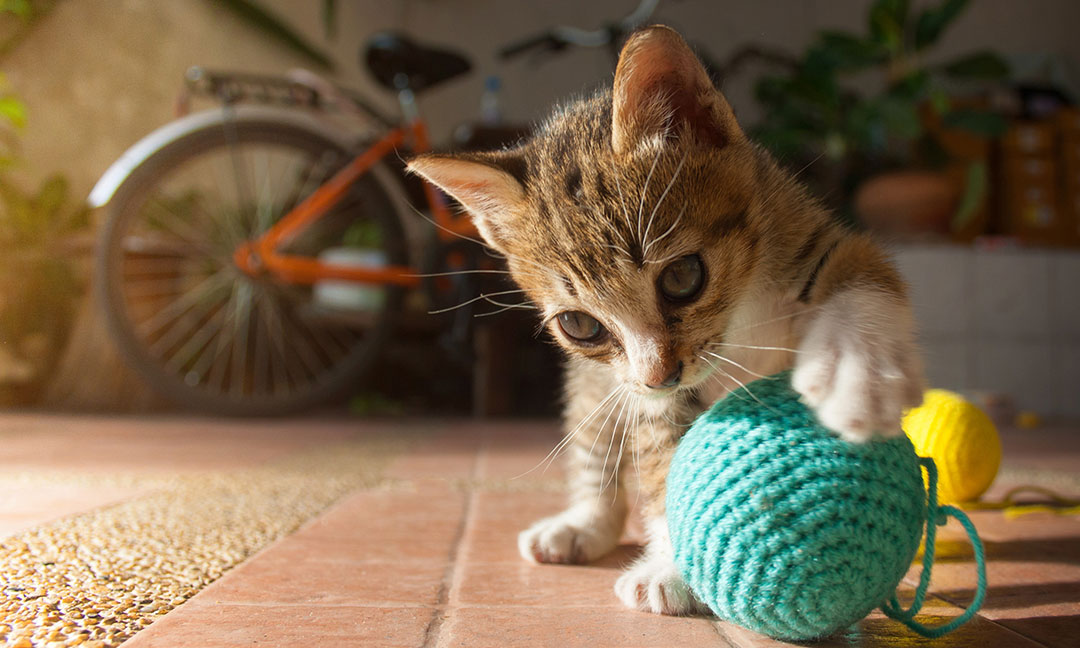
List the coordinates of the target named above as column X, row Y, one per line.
column 681, row 389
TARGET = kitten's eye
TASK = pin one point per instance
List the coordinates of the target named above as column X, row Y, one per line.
column 682, row 279
column 580, row 326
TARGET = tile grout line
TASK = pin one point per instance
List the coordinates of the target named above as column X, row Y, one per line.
column 964, row 606
column 987, row 619
column 728, row 641
column 433, row 632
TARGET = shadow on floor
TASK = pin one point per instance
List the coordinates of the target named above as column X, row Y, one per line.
column 1013, row 597
column 620, row 557
column 1054, row 631
column 1044, row 550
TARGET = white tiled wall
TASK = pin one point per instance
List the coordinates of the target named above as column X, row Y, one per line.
column 1000, row 321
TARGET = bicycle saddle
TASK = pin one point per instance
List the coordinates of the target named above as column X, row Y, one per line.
column 389, row 54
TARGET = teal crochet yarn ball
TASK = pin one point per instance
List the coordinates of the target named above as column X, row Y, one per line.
column 782, row 527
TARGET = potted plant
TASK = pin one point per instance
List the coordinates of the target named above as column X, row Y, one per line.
column 872, row 105
column 39, row 231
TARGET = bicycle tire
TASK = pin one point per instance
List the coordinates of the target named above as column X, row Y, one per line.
column 242, row 397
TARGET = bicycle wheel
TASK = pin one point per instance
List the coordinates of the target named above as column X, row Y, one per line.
column 201, row 332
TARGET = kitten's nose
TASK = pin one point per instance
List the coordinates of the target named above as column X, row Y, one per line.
column 671, row 380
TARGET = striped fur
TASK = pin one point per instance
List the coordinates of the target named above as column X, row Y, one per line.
column 591, row 211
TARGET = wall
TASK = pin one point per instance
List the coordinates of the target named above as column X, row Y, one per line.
column 99, row 74
column 1000, row 322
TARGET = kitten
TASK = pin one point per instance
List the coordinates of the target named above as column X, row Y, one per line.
column 673, row 260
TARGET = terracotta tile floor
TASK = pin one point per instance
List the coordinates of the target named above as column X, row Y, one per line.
column 430, row 558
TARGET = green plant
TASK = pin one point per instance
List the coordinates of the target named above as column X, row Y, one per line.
column 12, row 121
column 863, row 97
column 38, row 282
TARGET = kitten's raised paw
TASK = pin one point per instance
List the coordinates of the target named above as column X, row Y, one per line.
column 858, row 366
column 577, row 535
column 654, row 584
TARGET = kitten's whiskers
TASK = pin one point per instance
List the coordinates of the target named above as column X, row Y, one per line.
column 481, row 297
column 730, row 361
column 803, row 311
column 569, row 436
column 603, row 426
column 669, row 230
column 524, row 305
column 626, row 212
column 644, row 193
column 504, row 309
column 754, row 346
column 604, row 481
column 743, row 387
column 660, row 201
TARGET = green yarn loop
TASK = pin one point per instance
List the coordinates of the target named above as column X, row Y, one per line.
column 892, row 607
column 782, row 527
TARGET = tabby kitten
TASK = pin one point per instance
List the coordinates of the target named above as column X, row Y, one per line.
column 673, row 260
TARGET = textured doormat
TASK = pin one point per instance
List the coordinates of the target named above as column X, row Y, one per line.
column 97, row 578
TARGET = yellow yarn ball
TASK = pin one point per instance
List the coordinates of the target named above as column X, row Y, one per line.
column 961, row 439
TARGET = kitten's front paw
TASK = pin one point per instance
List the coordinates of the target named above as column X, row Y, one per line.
column 654, row 584
column 579, row 534
column 858, row 365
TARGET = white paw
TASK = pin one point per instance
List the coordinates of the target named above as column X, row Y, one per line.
column 579, row 534
column 654, row 584
column 858, row 365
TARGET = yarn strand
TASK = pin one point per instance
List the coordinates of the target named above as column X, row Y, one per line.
column 936, row 516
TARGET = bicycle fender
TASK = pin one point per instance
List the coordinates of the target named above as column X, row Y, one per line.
column 119, row 171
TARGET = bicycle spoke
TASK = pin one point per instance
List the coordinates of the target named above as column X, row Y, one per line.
column 172, row 336
column 195, row 344
column 154, row 266
column 226, row 341
column 277, row 339
column 231, row 231
column 304, row 352
column 240, row 333
column 147, row 288
column 320, row 335
column 192, row 237
column 219, row 369
column 267, row 201
column 206, row 355
column 177, row 307
column 301, row 359
column 262, row 354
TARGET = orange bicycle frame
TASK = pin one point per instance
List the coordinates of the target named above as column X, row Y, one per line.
column 264, row 255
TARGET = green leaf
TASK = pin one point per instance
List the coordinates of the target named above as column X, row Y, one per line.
column 887, row 21
column 913, row 87
column 50, row 200
column 13, row 110
column 363, row 234
column 983, row 123
column 849, row 52
column 771, row 90
column 983, row 65
column 21, row 8
column 900, row 117
column 975, row 186
column 273, row 27
column 932, row 22
column 939, row 101
column 329, row 18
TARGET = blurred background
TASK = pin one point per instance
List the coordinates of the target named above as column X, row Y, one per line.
column 949, row 128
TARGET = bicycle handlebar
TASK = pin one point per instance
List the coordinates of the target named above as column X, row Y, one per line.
column 546, row 41
column 558, row 38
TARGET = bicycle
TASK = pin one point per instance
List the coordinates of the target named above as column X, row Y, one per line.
column 254, row 258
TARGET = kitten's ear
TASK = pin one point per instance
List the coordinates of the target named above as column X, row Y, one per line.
column 483, row 184
column 660, row 85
